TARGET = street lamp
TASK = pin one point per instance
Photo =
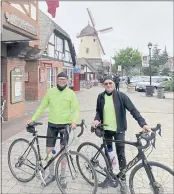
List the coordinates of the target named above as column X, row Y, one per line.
column 150, row 47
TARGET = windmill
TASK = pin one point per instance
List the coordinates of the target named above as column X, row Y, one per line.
column 97, row 32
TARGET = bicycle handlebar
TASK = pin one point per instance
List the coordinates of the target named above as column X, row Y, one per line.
column 145, row 135
column 82, row 124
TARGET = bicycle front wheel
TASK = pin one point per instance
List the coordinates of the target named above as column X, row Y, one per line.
column 68, row 177
column 22, row 158
column 140, row 183
column 98, row 160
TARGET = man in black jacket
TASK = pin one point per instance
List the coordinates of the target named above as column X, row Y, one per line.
column 111, row 110
column 117, row 81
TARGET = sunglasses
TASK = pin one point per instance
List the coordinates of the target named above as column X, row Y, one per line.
column 109, row 83
column 62, row 79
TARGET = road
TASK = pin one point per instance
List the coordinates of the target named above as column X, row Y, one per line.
column 152, row 109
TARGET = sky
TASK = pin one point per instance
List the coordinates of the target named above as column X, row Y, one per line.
column 135, row 23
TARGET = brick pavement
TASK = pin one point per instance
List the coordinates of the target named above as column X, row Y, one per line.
column 153, row 109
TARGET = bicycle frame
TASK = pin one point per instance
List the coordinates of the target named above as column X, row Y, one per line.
column 140, row 156
column 38, row 150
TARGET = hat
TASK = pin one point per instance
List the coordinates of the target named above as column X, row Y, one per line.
column 62, row 74
column 109, row 77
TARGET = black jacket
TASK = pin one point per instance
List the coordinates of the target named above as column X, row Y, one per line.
column 117, row 79
column 121, row 103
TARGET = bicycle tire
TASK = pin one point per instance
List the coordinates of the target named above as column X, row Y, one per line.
column 98, row 150
column 136, row 168
column 9, row 159
column 89, row 163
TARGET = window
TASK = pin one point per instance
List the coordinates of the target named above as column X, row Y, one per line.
column 50, row 50
column 66, row 46
column 81, row 40
column 87, row 50
column 59, row 44
column 68, row 56
column 51, row 77
column 94, row 40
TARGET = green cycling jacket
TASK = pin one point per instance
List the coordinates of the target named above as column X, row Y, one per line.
column 63, row 106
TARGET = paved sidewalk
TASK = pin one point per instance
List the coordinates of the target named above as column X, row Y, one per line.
column 154, row 110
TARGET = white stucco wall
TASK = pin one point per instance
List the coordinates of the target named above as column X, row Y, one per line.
column 93, row 46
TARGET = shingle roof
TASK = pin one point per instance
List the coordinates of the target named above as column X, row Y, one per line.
column 87, row 31
column 47, row 26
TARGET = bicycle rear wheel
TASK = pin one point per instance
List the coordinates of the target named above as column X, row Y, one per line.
column 68, row 177
column 98, row 160
column 25, row 158
column 166, row 177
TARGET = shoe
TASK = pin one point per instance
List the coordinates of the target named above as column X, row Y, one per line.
column 123, row 187
column 63, row 182
column 109, row 183
column 49, row 179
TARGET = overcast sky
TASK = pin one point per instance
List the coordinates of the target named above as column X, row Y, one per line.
column 134, row 23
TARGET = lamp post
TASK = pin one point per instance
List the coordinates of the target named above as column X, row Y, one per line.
column 150, row 47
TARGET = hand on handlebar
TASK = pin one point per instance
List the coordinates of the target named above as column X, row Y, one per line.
column 73, row 125
column 95, row 123
column 146, row 128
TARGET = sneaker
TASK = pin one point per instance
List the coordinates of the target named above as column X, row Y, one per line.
column 109, row 183
column 49, row 179
column 123, row 187
column 63, row 182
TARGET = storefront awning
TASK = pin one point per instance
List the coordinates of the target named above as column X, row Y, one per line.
column 9, row 36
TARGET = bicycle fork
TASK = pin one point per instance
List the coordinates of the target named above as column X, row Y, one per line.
column 154, row 185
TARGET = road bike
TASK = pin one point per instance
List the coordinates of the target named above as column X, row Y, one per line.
column 103, row 165
column 30, row 164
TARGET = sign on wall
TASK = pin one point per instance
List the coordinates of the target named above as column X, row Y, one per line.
column 16, row 86
column 20, row 23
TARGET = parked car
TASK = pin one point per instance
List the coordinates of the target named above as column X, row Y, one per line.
column 156, row 81
column 136, row 79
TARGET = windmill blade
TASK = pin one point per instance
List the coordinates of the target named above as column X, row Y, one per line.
column 105, row 30
column 91, row 17
column 100, row 44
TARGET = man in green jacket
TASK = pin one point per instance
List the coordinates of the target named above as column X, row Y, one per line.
column 63, row 109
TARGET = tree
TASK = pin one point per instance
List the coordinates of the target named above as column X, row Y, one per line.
column 158, row 60
column 166, row 71
column 128, row 58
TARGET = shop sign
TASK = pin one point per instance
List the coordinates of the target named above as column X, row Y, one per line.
column 68, row 65
column 16, row 86
column 20, row 23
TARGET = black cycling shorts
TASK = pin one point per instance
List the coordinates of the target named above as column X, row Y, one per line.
column 53, row 131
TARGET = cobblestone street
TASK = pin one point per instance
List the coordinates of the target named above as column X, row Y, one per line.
column 152, row 109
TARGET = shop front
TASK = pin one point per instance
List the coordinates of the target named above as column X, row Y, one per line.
column 19, row 41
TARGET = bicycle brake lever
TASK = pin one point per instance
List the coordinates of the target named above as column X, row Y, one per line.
column 153, row 143
column 160, row 132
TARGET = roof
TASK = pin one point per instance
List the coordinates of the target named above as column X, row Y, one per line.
column 83, row 61
column 47, row 26
column 87, row 31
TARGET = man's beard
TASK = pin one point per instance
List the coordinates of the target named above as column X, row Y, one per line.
column 110, row 90
column 61, row 88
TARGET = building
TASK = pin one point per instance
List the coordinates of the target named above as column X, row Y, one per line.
column 89, row 55
column 34, row 51
column 56, row 55
column 20, row 35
